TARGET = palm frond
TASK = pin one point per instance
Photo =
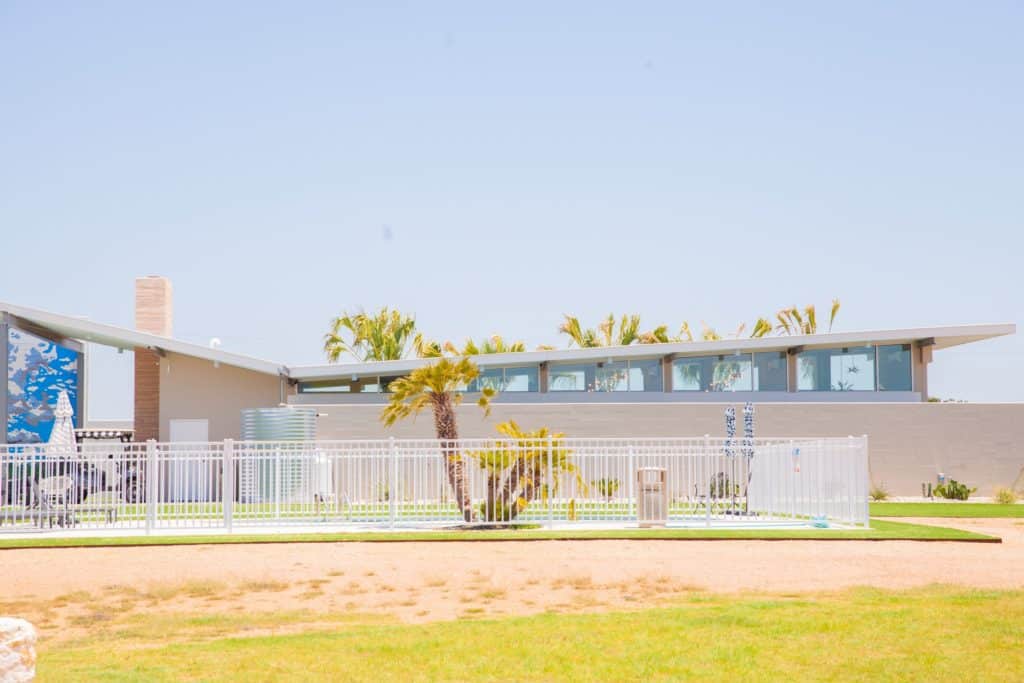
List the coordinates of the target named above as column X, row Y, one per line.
column 811, row 320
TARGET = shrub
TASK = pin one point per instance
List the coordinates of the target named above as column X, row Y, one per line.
column 607, row 487
column 1005, row 496
column 721, row 487
column 517, row 468
column 879, row 493
column 954, row 490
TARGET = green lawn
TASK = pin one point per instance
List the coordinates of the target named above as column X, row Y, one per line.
column 866, row 634
column 880, row 530
column 976, row 510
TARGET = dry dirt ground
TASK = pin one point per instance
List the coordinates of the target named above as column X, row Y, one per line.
column 67, row 591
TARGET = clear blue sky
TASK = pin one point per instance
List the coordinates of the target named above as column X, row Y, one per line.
column 697, row 161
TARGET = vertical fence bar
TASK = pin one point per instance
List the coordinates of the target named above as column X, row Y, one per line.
column 392, row 478
column 551, row 483
column 707, row 499
column 151, row 484
column 632, row 510
column 227, row 479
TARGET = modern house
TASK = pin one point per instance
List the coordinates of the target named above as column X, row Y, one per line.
column 871, row 382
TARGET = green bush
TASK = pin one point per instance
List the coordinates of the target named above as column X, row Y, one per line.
column 953, row 490
column 879, row 493
column 1005, row 496
column 607, row 487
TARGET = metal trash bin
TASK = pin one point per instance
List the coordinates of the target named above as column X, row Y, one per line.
column 652, row 496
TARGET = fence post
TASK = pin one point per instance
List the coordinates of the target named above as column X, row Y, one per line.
column 551, row 483
column 707, row 499
column 151, row 484
column 392, row 487
column 227, row 483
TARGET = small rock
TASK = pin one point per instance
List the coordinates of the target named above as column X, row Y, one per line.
column 17, row 650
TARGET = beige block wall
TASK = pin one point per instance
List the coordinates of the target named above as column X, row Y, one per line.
column 192, row 388
column 154, row 305
column 910, row 443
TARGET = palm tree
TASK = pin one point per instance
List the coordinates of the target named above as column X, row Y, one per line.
column 438, row 386
column 606, row 334
column 384, row 335
column 794, row 321
column 493, row 344
column 762, row 328
column 521, row 467
column 659, row 335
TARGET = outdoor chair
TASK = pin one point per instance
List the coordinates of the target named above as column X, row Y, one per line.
column 53, row 494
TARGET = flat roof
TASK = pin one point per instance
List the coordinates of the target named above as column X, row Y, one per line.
column 941, row 337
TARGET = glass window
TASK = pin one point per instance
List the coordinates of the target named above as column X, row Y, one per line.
column 846, row 369
column 489, row 378
column 571, row 377
column 521, row 379
column 688, row 374
column 732, row 373
column 636, row 375
column 611, row 377
column 770, row 371
column 364, row 385
column 713, row 373
column 894, row 368
column 645, row 375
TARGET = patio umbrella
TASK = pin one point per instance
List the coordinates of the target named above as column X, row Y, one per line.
column 748, row 429
column 62, row 438
column 730, row 430
column 748, row 446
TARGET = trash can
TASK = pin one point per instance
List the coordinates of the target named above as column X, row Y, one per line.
column 652, row 496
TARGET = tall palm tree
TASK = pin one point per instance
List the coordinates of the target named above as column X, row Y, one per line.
column 493, row 344
column 659, row 335
column 438, row 386
column 384, row 335
column 793, row 320
column 606, row 334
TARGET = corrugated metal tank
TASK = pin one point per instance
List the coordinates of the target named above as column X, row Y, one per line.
column 269, row 472
column 279, row 424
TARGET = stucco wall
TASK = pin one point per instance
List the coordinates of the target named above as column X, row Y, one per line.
column 910, row 443
column 194, row 388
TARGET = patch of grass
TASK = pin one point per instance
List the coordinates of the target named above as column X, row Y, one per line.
column 863, row 634
column 967, row 510
column 265, row 586
column 878, row 531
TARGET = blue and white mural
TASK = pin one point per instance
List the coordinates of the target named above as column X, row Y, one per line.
column 37, row 370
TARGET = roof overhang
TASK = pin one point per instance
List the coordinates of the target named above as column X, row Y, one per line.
column 938, row 337
column 124, row 338
column 71, row 327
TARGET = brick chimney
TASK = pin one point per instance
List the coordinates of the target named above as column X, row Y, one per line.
column 153, row 315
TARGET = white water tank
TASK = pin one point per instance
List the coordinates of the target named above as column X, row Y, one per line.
column 269, row 472
column 279, row 424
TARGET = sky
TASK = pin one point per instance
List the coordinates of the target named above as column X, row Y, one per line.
column 490, row 167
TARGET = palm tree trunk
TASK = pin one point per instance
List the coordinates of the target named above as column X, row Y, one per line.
column 447, row 432
column 522, row 482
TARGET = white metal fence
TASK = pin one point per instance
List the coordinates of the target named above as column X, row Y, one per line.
column 392, row 483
